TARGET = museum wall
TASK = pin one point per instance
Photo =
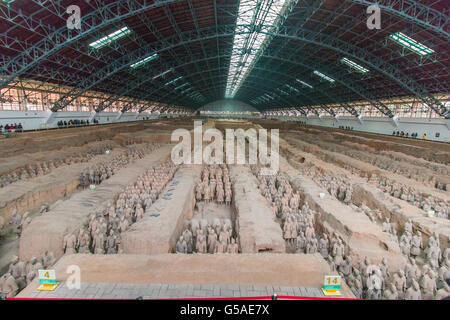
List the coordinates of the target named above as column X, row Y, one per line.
column 384, row 125
column 32, row 120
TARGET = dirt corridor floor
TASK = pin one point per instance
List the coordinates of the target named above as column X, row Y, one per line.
column 371, row 209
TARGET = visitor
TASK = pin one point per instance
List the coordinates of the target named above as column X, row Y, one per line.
column 424, row 136
column 19, row 127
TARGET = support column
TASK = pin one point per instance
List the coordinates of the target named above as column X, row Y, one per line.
column 118, row 116
column 92, row 116
column 395, row 121
column 49, row 117
column 360, row 119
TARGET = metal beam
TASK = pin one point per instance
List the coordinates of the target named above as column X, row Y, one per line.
column 332, row 43
column 63, row 37
column 415, row 12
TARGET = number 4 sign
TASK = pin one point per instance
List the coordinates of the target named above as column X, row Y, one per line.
column 331, row 286
column 47, row 279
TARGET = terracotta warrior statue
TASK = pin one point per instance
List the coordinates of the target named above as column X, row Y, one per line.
column 70, row 241
column 8, row 285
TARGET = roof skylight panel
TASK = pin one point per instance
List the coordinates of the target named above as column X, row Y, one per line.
column 181, row 86
column 291, row 88
column 173, row 81
column 187, row 90
column 323, row 76
column 247, row 45
column 162, row 74
column 283, row 92
column 144, row 61
column 354, row 65
column 114, row 36
column 410, row 43
column 304, row 83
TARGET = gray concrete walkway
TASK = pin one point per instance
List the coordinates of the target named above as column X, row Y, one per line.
column 95, row 290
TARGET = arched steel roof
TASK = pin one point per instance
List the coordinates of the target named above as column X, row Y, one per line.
column 194, row 40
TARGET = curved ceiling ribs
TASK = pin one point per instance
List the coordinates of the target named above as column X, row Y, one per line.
column 415, row 12
column 142, row 80
column 289, row 101
column 190, row 37
column 194, row 39
column 62, row 37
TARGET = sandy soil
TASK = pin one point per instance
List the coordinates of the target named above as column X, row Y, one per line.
column 214, row 210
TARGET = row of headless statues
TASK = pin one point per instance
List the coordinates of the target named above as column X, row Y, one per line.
column 105, row 170
column 41, row 168
column 426, row 172
column 340, row 188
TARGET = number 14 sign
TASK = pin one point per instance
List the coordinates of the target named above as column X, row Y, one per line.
column 331, row 286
